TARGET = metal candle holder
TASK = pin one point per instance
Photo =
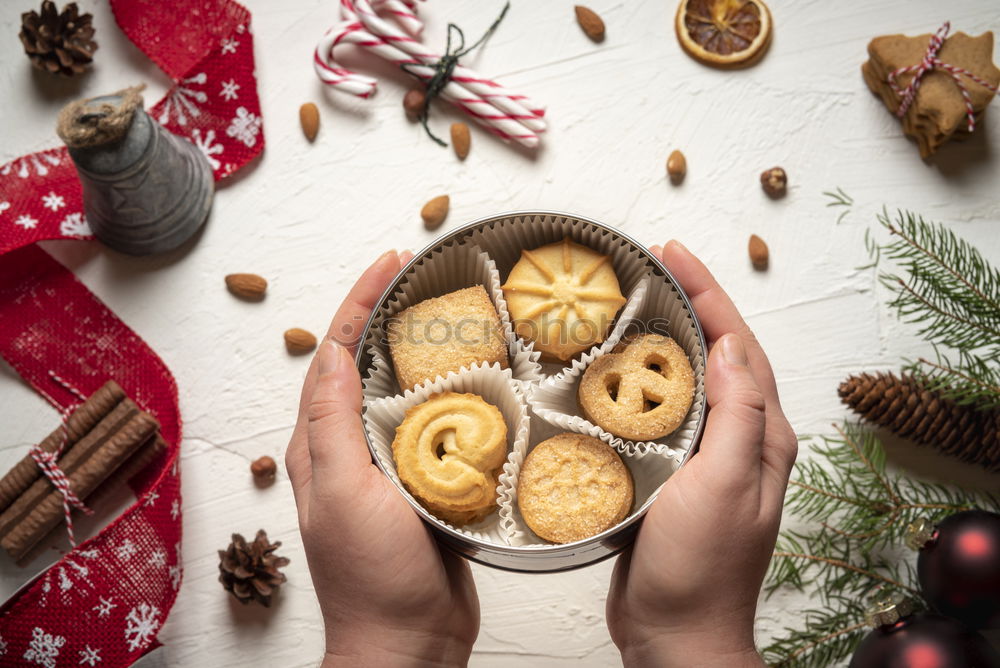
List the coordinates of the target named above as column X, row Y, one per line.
column 146, row 191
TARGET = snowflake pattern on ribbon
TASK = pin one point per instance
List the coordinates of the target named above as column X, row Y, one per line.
column 126, row 550
column 104, row 602
column 244, row 126
column 43, row 649
column 35, row 164
column 90, row 656
column 183, row 100
column 26, row 221
column 208, row 147
column 104, row 607
column 75, row 225
column 158, row 559
column 141, row 625
column 230, row 90
column 53, row 201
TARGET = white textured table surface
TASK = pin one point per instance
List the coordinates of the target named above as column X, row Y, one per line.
column 311, row 217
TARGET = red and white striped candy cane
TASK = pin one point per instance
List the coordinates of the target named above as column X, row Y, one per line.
column 930, row 62
column 507, row 114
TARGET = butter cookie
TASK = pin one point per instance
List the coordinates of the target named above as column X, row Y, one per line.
column 572, row 487
column 641, row 391
column 563, row 297
column 449, row 451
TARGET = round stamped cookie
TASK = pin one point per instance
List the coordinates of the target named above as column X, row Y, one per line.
column 641, row 391
column 572, row 487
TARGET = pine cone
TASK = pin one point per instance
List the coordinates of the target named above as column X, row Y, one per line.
column 250, row 570
column 56, row 42
column 905, row 407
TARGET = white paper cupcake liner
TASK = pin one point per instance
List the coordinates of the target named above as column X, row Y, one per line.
column 450, row 268
column 497, row 387
column 648, row 476
column 661, row 311
column 537, row 400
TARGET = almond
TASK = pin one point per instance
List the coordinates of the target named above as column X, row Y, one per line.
column 460, row 139
column 247, row 286
column 591, row 23
column 299, row 341
column 676, row 167
column 435, row 211
column 309, row 118
column 758, row 252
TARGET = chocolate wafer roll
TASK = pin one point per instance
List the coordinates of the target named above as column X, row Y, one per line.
column 135, row 464
column 86, row 476
column 26, row 472
column 71, row 459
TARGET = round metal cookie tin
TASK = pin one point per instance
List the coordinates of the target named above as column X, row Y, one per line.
column 535, row 558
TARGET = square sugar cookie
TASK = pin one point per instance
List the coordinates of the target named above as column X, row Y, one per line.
column 443, row 334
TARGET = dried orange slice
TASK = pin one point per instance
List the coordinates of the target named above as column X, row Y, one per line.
column 724, row 33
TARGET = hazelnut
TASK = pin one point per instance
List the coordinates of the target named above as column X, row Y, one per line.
column 676, row 167
column 413, row 102
column 263, row 468
column 774, row 181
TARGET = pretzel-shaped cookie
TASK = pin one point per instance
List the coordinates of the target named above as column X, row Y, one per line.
column 448, row 452
column 641, row 391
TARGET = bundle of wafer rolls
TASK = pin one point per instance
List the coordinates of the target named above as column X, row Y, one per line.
column 108, row 439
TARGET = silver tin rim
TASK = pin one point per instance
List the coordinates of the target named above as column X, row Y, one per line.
column 469, row 547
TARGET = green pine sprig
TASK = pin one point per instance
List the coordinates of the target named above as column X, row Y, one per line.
column 829, row 635
column 860, row 512
column 839, row 198
column 942, row 283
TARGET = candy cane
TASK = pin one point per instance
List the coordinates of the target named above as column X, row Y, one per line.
column 508, row 114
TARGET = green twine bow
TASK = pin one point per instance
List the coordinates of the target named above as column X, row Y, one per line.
column 445, row 67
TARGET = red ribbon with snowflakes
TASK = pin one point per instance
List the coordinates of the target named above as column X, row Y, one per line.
column 103, row 603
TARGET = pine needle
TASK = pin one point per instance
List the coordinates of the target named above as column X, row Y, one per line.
column 860, row 512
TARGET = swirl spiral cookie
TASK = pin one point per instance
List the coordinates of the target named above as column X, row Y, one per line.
column 641, row 391
column 563, row 297
column 572, row 487
column 448, row 452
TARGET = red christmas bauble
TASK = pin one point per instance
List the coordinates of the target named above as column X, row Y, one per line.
column 925, row 640
column 959, row 569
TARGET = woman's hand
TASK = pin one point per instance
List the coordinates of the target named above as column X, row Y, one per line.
column 686, row 593
column 389, row 595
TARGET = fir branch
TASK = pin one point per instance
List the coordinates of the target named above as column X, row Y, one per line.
column 949, row 288
column 831, row 636
column 971, row 382
column 876, row 471
column 839, row 198
column 840, row 563
column 861, row 511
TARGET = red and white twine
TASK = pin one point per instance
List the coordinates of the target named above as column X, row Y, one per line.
column 931, row 62
column 507, row 114
column 48, row 464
